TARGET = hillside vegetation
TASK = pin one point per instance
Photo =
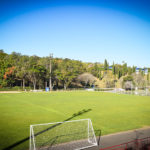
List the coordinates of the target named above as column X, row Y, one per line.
column 33, row 72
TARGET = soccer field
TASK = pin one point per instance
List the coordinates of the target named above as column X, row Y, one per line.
column 108, row 112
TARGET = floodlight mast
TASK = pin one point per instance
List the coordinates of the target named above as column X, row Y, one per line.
column 50, row 71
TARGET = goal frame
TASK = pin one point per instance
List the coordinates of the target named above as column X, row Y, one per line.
column 32, row 137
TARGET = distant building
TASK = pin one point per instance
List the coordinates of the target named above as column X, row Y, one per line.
column 145, row 70
column 137, row 70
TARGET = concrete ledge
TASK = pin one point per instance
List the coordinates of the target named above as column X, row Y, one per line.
column 122, row 137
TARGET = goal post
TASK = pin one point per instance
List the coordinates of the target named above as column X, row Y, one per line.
column 67, row 135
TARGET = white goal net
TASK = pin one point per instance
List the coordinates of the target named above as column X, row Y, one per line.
column 67, row 135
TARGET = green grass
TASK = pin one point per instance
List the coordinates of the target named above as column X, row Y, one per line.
column 109, row 112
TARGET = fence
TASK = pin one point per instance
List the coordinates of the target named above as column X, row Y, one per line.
column 138, row 144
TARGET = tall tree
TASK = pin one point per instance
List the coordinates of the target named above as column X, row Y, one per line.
column 119, row 74
column 114, row 69
column 124, row 69
column 35, row 74
column 129, row 70
column 148, row 77
column 33, row 70
column 66, row 73
column 22, row 69
column 139, row 80
column 3, row 67
column 86, row 79
column 106, row 65
column 133, row 69
column 9, row 76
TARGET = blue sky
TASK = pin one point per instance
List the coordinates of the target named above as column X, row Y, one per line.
column 87, row 30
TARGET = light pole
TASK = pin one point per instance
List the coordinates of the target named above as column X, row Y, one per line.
column 50, row 72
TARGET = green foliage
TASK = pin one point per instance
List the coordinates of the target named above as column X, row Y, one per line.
column 128, row 78
column 114, row 69
column 104, row 89
column 15, row 88
column 3, row 67
column 119, row 74
column 34, row 71
column 133, row 69
column 130, row 70
column 100, row 75
column 67, row 70
column 148, row 77
column 124, row 69
column 106, row 65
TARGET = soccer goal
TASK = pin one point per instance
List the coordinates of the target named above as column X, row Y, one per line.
column 67, row 135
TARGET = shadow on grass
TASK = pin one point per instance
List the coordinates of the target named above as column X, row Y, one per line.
column 27, row 138
column 54, row 141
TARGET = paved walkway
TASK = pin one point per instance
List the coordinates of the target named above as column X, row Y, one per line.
column 10, row 92
column 122, row 137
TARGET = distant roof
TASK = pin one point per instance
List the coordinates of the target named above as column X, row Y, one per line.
column 143, row 69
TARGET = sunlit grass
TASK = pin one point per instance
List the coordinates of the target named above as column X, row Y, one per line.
column 108, row 112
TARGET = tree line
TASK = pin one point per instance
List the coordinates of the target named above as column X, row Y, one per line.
column 34, row 71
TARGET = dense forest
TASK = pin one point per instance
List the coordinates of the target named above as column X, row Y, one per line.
column 34, row 72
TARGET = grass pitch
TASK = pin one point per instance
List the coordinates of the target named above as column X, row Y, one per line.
column 109, row 112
